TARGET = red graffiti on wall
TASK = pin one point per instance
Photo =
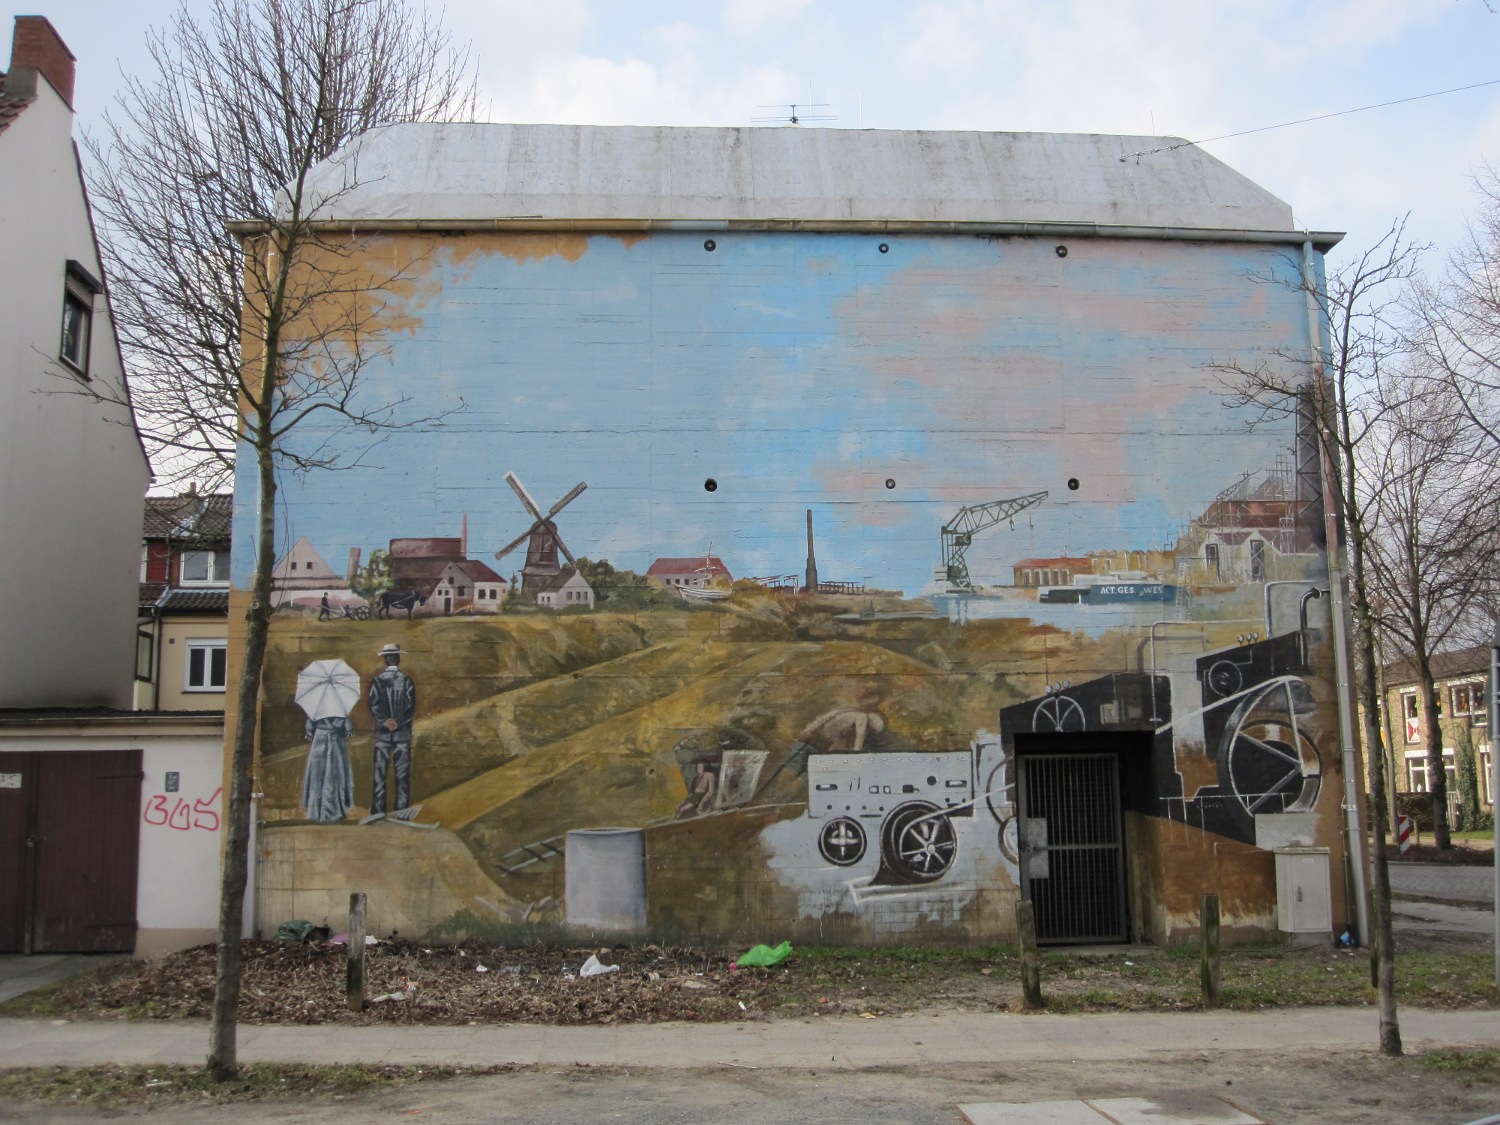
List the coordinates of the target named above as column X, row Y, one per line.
column 178, row 813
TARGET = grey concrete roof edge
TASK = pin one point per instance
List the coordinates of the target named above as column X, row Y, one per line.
column 1322, row 240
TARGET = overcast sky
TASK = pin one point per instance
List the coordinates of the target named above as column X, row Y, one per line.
column 1173, row 67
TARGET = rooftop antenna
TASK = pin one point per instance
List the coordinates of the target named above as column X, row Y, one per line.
column 793, row 117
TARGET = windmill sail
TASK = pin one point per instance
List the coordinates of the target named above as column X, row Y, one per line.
column 542, row 539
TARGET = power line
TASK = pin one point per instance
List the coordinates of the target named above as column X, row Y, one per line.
column 1306, row 120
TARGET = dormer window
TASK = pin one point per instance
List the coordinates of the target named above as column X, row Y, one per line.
column 79, row 291
column 205, row 568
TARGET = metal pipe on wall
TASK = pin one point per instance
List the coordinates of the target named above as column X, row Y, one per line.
column 1354, row 836
column 1495, row 778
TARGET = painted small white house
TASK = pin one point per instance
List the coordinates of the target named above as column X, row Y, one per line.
column 469, row 585
column 568, row 590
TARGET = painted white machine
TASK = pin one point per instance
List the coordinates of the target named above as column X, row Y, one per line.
column 906, row 799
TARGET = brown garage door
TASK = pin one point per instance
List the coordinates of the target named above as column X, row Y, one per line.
column 69, row 841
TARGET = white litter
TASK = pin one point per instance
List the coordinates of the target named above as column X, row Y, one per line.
column 480, row 969
column 592, row 968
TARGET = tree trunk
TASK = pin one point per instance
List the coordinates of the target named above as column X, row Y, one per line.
column 1382, row 941
column 1437, row 770
column 223, row 1060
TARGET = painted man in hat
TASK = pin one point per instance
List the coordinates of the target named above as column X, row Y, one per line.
column 393, row 702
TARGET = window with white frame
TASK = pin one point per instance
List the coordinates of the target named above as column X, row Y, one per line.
column 205, row 568
column 207, row 664
column 1411, row 724
column 1416, row 771
column 1486, row 775
column 1469, row 701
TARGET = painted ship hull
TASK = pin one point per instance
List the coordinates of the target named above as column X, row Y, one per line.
column 1108, row 593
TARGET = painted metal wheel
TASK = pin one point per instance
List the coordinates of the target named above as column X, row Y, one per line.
column 1225, row 678
column 917, row 842
column 1058, row 713
column 1267, row 762
column 842, row 841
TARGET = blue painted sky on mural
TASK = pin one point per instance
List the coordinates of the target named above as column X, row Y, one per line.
column 804, row 372
column 1177, row 67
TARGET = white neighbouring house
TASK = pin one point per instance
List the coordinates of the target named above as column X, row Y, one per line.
column 72, row 469
column 109, row 818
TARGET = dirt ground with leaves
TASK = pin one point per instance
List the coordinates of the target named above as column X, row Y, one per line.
column 305, row 983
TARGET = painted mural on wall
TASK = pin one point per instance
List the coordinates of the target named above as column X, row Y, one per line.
column 846, row 532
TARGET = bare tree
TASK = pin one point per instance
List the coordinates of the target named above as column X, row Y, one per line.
column 238, row 104
column 1460, row 316
column 1332, row 392
column 236, row 337
column 1434, row 521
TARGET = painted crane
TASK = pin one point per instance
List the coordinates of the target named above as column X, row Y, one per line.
column 958, row 533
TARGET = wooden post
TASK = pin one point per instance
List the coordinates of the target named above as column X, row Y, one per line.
column 1031, row 963
column 1208, row 966
column 354, row 985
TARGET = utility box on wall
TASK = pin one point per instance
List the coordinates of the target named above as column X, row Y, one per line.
column 1303, row 900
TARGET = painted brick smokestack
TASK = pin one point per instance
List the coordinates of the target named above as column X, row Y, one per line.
column 37, row 47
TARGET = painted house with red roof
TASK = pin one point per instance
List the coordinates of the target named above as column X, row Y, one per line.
column 468, row 585
column 697, row 572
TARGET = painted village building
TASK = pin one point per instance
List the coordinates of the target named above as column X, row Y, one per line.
column 469, row 586
column 302, row 577
column 697, row 573
column 737, row 335
column 568, row 590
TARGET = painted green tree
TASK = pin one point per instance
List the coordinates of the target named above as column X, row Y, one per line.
column 374, row 578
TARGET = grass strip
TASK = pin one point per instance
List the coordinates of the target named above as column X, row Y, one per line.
column 114, row 1087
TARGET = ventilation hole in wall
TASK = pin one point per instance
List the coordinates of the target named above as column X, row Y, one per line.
column 885, row 248
column 710, row 245
column 1061, row 251
column 710, row 485
column 890, row 482
column 1072, row 484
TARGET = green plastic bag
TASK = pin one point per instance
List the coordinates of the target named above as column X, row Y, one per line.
column 765, row 955
column 299, row 929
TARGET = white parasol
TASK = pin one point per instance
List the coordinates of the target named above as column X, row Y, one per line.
column 327, row 689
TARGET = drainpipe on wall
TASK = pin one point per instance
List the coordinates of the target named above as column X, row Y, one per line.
column 250, row 925
column 1354, row 836
column 1495, row 778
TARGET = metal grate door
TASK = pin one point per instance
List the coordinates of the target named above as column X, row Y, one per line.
column 1072, row 857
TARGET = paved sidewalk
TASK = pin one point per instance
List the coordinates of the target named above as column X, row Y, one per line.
column 832, row 1044
column 1449, row 881
column 22, row 972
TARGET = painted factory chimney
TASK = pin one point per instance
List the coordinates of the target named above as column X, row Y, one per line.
column 812, row 559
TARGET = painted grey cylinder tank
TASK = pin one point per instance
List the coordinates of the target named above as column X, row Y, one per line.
column 606, row 878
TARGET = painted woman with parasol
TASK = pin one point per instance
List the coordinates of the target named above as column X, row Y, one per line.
column 327, row 691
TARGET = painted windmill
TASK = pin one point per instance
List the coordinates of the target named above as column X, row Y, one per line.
column 542, row 539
